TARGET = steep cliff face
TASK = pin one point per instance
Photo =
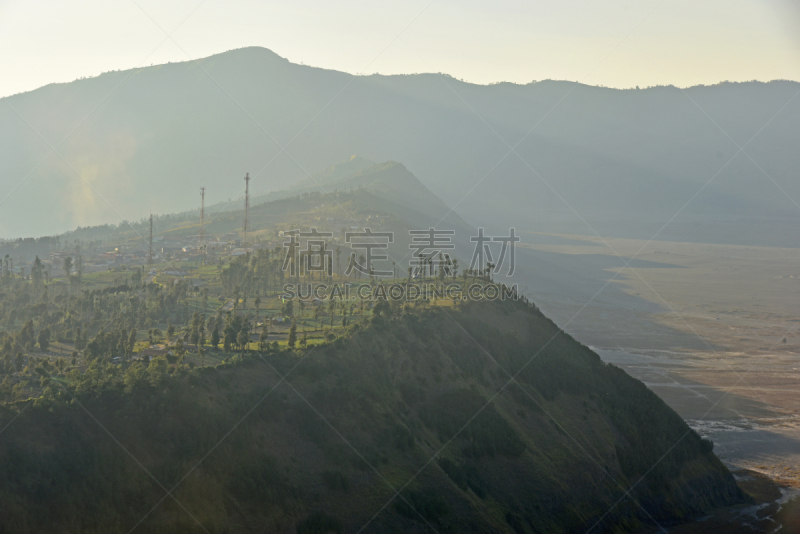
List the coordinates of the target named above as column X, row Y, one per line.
column 408, row 423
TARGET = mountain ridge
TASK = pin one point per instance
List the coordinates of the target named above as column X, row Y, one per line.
column 280, row 60
column 389, row 180
column 632, row 155
column 397, row 389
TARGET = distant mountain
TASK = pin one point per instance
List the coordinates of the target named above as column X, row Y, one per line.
column 402, row 403
column 338, row 171
column 623, row 160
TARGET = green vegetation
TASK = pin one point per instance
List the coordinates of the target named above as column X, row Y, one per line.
column 119, row 385
column 398, row 389
column 198, row 313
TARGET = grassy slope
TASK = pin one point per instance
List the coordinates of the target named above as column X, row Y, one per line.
column 397, row 390
column 389, row 181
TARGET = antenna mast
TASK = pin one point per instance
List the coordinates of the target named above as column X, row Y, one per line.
column 246, row 204
column 150, row 254
column 203, row 222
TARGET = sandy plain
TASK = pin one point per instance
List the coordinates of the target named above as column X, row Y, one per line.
column 713, row 330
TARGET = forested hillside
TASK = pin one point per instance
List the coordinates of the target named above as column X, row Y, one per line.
column 320, row 439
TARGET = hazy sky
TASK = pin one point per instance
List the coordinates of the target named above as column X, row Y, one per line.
column 680, row 42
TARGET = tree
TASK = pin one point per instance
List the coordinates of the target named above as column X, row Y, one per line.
column 80, row 339
column 317, row 311
column 262, row 340
column 212, row 320
column 215, row 337
column 44, row 338
column 292, row 336
column 242, row 339
column 18, row 391
column 131, row 341
column 6, row 388
column 229, row 338
column 79, row 264
column 37, row 272
column 157, row 370
column 180, row 350
column 26, row 336
column 170, row 330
